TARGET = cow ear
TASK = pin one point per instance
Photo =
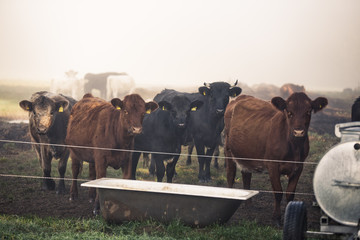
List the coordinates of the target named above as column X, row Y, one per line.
column 195, row 105
column 279, row 103
column 151, row 106
column 165, row 106
column 26, row 105
column 117, row 103
column 61, row 106
column 204, row 91
column 234, row 91
column 319, row 103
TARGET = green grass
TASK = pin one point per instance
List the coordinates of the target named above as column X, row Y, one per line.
column 14, row 227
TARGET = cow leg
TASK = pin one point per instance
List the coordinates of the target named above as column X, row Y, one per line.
column 200, row 152
column 100, row 169
column 170, row 169
column 152, row 169
column 230, row 172
column 146, row 160
column 160, row 167
column 209, row 154
column 246, row 178
column 190, row 150
column 92, row 176
column 48, row 183
column 75, row 168
column 293, row 180
column 278, row 193
column 216, row 156
column 135, row 160
column 62, row 169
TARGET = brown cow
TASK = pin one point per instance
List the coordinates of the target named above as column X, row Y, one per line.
column 96, row 123
column 278, row 130
column 287, row 89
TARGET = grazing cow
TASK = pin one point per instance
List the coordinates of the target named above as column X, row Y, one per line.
column 96, row 123
column 355, row 110
column 98, row 82
column 164, row 131
column 48, row 119
column 287, row 89
column 278, row 130
column 119, row 86
column 207, row 124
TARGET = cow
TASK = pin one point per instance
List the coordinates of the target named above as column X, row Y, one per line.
column 257, row 129
column 69, row 85
column 97, row 123
column 164, row 131
column 287, row 89
column 206, row 125
column 48, row 119
column 98, row 82
column 119, row 86
column 355, row 110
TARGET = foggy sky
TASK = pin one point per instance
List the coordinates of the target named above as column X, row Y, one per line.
column 172, row 43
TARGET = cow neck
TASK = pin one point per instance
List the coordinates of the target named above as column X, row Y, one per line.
column 296, row 148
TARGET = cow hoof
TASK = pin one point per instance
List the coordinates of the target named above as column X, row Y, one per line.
column 48, row 185
column 96, row 212
column 60, row 191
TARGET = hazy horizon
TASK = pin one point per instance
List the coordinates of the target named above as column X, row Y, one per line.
column 315, row 43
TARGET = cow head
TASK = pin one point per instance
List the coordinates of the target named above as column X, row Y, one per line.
column 297, row 110
column 43, row 111
column 132, row 110
column 218, row 94
column 179, row 109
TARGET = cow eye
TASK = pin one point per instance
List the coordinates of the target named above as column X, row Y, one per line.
column 126, row 112
column 308, row 113
column 290, row 114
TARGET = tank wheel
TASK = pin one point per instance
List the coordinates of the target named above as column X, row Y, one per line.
column 295, row 221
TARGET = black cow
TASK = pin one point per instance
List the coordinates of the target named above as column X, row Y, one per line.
column 98, row 82
column 48, row 119
column 164, row 131
column 355, row 110
column 207, row 124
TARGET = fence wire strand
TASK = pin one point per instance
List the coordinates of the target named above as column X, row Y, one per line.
column 149, row 152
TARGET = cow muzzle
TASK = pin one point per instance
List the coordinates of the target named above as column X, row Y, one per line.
column 299, row 132
column 181, row 125
column 135, row 130
column 41, row 131
column 220, row 111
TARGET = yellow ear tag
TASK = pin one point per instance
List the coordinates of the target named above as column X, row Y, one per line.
column 234, row 94
column 118, row 108
column 61, row 109
column 204, row 93
column 27, row 108
column 194, row 109
column 163, row 108
column 148, row 111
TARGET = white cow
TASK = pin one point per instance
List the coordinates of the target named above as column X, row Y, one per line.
column 118, row 86
column 68, row 85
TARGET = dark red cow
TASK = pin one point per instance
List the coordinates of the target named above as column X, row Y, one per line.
column 257, row 129
column 96, row 123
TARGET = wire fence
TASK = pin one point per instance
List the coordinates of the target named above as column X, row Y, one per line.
column 149, row 152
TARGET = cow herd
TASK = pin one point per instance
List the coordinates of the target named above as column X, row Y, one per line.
column 115, row 133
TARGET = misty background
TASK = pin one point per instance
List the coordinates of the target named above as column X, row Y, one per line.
column 182, row 43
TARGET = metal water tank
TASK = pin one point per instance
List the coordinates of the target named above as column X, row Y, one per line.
column 337, row 177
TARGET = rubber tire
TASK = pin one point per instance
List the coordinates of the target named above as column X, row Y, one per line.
column 295, row 221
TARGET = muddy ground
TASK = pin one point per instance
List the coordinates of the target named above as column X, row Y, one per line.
column 22, row 196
